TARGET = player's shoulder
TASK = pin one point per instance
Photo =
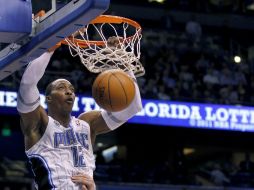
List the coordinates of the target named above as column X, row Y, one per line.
column 80, row 123
column 89, row 116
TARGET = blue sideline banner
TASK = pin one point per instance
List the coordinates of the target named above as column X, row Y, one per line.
column 163, row 113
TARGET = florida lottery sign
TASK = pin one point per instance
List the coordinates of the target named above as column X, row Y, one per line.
column 163, row 113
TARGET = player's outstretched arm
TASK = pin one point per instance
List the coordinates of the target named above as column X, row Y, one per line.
column 116, row 119
column 104, row 121
column 28, row 102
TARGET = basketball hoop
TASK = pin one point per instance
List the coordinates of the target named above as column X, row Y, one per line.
column 91, row 44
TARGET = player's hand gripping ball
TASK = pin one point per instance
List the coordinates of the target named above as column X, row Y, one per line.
column 113, row 90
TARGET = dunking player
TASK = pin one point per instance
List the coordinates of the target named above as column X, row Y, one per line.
column 59, row 146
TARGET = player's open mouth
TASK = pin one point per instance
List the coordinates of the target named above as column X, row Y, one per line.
column 69, row 100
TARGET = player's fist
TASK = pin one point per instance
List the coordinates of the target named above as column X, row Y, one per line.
column 114, row 41
column 85, row 181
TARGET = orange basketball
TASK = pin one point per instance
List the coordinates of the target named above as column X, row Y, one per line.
column 113, row 90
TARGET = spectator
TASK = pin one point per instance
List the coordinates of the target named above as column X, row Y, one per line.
column 226, row 77
column 240, row 77
column 151, row 89
column 218, row 177
column 247, row 165
column 162, row 94
column 211, row 77
column 193, row 29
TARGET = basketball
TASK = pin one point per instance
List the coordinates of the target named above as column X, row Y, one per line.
column 113, row 90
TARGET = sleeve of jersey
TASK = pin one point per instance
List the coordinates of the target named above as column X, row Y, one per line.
column 28, row 95
column 116, row 119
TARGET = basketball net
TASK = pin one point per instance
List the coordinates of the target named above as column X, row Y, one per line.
column 96, row 52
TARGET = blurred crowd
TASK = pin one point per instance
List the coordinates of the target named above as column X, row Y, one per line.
column 182, row 171
column 186, row 68
column 208, row 6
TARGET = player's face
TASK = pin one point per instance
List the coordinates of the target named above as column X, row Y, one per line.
column 62, row 95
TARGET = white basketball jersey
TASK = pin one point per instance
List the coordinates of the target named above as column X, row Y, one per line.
column 61, row 153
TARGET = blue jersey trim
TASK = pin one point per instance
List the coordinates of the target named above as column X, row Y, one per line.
column 46, row 166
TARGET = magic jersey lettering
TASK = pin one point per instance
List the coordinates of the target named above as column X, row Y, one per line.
column 61, row 153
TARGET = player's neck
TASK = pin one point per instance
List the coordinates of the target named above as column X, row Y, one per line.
column 63, row 119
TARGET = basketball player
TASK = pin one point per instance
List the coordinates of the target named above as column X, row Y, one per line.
column 59, row 146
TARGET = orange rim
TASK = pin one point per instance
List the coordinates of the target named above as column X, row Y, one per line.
column 104, row 19
column 41, row 13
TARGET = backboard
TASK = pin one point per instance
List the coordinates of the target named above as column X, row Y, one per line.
column 63, row 18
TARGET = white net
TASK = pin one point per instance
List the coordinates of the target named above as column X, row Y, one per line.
column 103, row 46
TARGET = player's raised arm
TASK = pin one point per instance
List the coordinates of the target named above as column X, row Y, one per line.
column 105, row 121
column 28, row 102
column 115, row 119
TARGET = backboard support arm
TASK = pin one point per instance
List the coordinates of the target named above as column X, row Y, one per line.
column 52, row 29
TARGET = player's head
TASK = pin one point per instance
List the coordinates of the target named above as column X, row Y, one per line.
column 60, row 94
